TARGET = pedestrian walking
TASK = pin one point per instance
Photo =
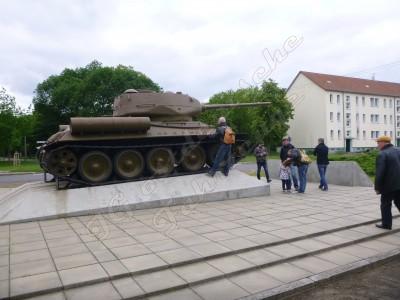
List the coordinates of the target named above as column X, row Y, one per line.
column 226, row 138
column 286, row 146
column 387, row 179
column 321, row 152
column 261, row 156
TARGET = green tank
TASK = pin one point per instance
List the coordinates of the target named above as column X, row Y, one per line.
column 150, row 134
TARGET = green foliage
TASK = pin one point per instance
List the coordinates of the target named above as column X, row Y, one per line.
column 85, row 92
column 262, row 124
column 26, row 166
column 366, row 160
column 14, row 126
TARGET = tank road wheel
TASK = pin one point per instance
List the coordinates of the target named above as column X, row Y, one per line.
column 193, row 158
column 95, row 166
column 62, row 162
column 128, row 164
column 160, row 161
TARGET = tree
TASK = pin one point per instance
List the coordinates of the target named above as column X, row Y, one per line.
column 85, row 92
column 263, row 124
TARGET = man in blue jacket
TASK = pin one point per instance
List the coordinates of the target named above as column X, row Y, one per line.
column 387, row 179
column 321, row 152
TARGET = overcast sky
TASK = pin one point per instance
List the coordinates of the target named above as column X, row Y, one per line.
column 198, row 47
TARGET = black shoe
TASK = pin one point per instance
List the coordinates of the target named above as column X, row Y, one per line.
column 210, row 174
column 226, row 174
column 383, row 227
column 269, row 180
column 320, row 187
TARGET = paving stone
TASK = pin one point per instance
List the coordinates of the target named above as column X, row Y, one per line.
column 229, row 264
column 178, row 255
column 59, row 234
column 287, row 233
column 255, row 281
column 191, row 240
column 203, row 229
column 114, row 268
column 359, row 251
column 95, row 246
column 30, row 246
column 222, row 289
column 143, row 262
column 53, row 243
column 130, row 251
column 332, row 239
column 139, row 230
column 104, row 255
column 4, row 260
column 390, row 239
column 127, row 287
column 286, row 250
column 209, row 249
column 226, row 225
column 286, row 272
column 338, row 257
column 51, row 296
column 184, row 294
column 25, row 238
column 76, row 260
column 259, row 256
column 196, row 271
column 34, row 283
column 4, row 289
column 313, row 264
column 263, row 238
column 32, row 268
column 164, row 245
column 24, row 257
column 78, row 275
column 99, row 291
column 311, row 244
column 4, row 273
column 378, row 246
column 237, row 243
column 159, row 280
column 68, row 250
column 119, row 242
column 243, row 231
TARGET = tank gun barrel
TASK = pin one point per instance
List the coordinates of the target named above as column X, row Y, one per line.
column 233, row 105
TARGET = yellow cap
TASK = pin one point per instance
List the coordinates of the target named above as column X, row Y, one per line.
column 384, row 138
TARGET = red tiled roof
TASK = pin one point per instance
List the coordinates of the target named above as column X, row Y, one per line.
column 353, row 85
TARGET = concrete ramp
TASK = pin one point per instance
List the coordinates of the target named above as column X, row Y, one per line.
column 39, row 201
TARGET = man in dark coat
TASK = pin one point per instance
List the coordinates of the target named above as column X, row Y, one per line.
column 261, row 156
column 387, row 179
column 224, row 150
column 321, row 152
column 286, row 146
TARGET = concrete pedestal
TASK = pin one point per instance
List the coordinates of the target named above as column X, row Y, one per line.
column 39, row 201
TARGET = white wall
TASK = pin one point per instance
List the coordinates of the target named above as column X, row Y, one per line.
column 309, row 121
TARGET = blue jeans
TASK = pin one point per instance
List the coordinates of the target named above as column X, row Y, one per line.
column 322, row 171
column 303, row 178
column 262, row 164
column 223, row 153
column 293, row 172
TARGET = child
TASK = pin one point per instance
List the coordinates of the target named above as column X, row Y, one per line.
column 284, row 175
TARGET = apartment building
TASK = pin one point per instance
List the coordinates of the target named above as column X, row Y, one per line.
column 349, row 113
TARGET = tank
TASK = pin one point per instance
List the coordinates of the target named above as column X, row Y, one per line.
column 150, row 134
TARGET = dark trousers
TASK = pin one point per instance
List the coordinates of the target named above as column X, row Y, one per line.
column 286, row 184
column 302, row 178
column 223, row 153
column 386, row 207
column 322, row 175
column 262, row 164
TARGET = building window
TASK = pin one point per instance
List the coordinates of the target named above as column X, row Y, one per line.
column 390, row 103
column 398, row 102
column 391, row 133
column 372, row 134
column 363, row 101
column 357, row 117
column 338, row 99
column 348, row 133
column 385, row 132
column 357, row 100
column 358, row 134
column 372, row 118
column 384, row 103
column 372, row 102
column 331, row 98
column 364, row 135
column 331, row 134
column 376, row 102
column 338, row 117
column 339, row 134
column 331, row 116
column 363, row 118
column 391, row 119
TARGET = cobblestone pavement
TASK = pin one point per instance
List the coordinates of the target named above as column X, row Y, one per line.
column 217, row 250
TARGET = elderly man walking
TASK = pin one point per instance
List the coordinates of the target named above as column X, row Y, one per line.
column 387, row 179
column 321, row 152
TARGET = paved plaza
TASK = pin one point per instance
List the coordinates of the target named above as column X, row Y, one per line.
column 245, row 248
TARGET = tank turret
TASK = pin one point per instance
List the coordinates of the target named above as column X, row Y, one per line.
column 149, row 134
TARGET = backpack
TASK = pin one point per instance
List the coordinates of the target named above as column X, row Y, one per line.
column 229, row 136
column 304, row 158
